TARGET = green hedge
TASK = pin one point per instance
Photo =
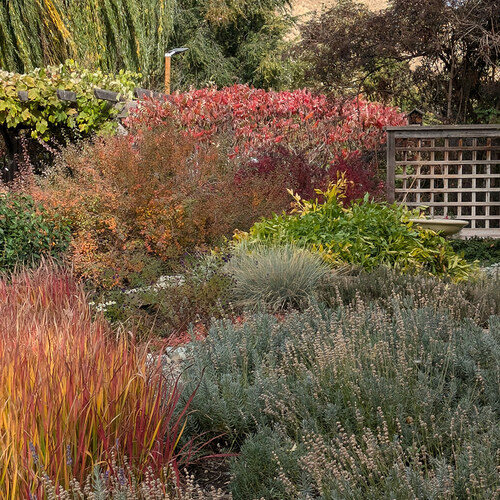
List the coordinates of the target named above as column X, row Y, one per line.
column 28, row 233
column 366, row 233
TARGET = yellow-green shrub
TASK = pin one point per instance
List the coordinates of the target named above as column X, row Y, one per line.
column 366, row 233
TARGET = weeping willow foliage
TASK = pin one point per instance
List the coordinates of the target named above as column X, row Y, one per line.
column 108, row 34
column 229, row 40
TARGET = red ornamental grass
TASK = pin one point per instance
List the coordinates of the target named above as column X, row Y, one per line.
column 71, row 392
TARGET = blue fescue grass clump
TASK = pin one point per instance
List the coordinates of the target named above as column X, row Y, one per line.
column 277, row 277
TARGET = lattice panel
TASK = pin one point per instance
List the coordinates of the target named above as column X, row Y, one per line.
column 453, row 171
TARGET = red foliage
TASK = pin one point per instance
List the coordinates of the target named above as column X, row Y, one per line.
column 157, row 193
column 72, row 392
column 259, row 126
column 204, row 164
column 361, row 171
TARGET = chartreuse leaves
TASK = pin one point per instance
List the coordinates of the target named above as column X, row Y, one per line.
column 43, row 112
column 366, row 233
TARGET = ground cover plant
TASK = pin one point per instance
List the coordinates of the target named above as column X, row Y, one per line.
column 73, row 391
column 485, row 250
column 168, row 306
column 477, row 298
column 358, row 401
column 365, row 233
column 120, row 483
column 28, row 232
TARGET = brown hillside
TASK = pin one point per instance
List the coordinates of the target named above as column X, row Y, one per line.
column 307, row 7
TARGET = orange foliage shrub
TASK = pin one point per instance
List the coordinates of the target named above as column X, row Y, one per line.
column 158, row 193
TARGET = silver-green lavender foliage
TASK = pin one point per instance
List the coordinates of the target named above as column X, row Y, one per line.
column 276, row 278
column 121, row 484
column 477, row 299
column 360, row 401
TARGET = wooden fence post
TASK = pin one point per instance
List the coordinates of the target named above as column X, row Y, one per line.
column 391, row 166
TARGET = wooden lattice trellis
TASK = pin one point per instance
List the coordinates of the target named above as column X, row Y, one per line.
column 454, row 171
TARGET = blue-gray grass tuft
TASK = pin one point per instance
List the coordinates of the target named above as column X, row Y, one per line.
column 276, row 278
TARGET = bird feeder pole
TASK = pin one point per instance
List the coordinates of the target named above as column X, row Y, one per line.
column 167, row 74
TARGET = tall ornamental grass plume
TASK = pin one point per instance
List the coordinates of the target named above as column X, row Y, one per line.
column 276, row 278
column 72, row 392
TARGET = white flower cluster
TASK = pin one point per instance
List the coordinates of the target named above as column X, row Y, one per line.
column 162, row 283
column 102, row 306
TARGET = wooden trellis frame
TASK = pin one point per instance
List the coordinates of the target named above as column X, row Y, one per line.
column 452, row 170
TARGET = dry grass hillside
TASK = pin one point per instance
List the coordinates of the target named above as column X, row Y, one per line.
column 306, row 7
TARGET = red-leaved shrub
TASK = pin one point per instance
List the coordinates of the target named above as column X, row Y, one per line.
column 259, row 126
column 208, row 162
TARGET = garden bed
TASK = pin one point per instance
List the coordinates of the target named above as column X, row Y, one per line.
column 327, row 348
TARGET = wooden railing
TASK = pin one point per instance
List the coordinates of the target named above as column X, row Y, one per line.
column 453, row 171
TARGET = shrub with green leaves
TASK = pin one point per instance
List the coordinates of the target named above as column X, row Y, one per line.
column 44, row 113
column 485, row 250
column 355, row 402
column 276, row 278
column 367, row 233
column 28, row 232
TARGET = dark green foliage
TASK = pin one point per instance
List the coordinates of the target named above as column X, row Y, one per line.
column 438, row 55
column 239, row 41
column 111, row 34
column 234, row 41
column 485, row 250
column 260, row 452
column 362, row 401
column 28, row 233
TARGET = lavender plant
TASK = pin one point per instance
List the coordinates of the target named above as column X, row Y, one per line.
column 357, row 401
